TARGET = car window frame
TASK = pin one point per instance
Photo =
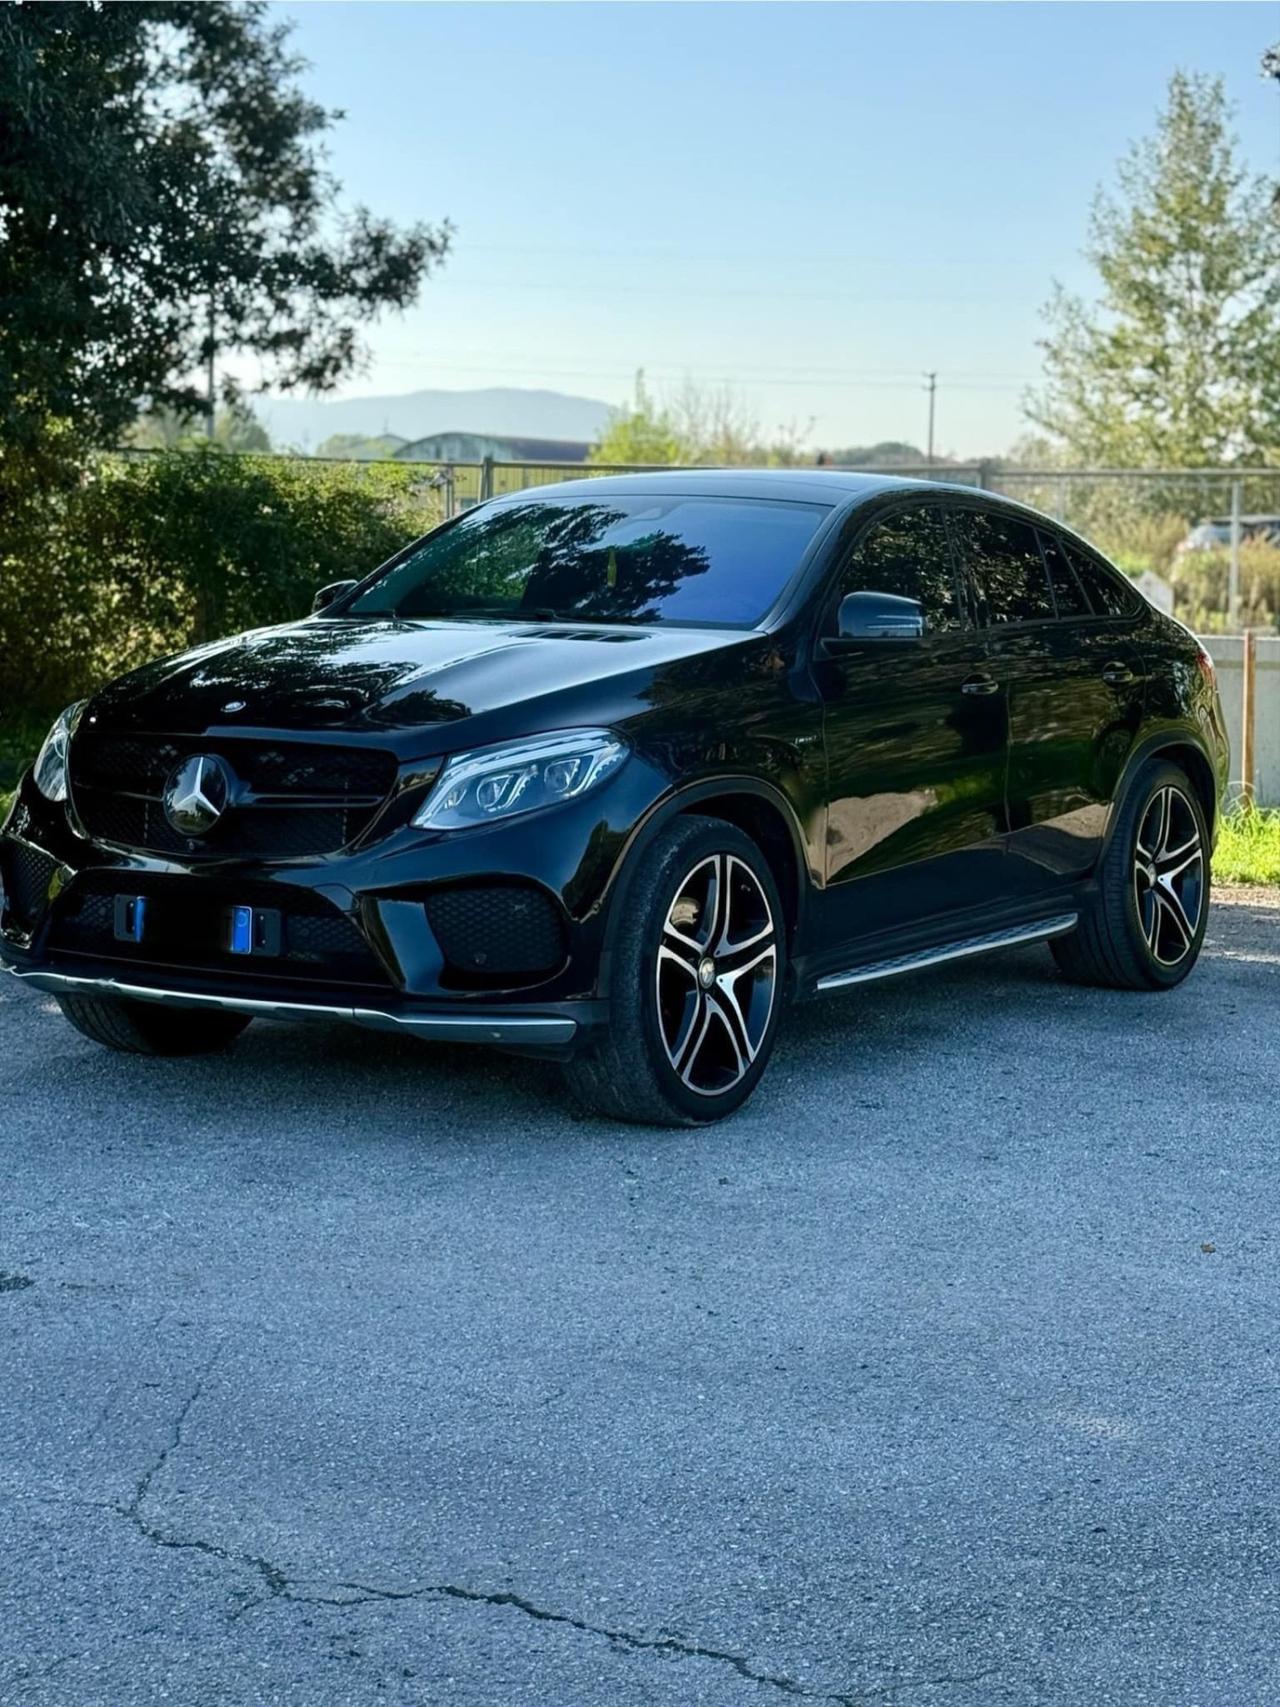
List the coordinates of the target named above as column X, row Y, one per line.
column 827, row 604
column 1049, row 536
column 984, row 626
column 791, row 593
column 1129, row 593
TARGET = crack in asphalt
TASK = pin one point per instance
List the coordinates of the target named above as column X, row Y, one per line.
column 279, row 1585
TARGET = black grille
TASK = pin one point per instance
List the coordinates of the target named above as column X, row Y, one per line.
column 497, row 930
column 27, row 875
column 294, row 801
column 186, row 927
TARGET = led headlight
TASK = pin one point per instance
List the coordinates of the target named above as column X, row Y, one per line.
column 500, row 782
column 49, row 773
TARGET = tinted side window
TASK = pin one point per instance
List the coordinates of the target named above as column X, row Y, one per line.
column 1004, row 556
column 1108, row 595
column 1067, row 594
column 908, row 554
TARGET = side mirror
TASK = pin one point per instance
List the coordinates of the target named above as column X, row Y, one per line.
column 327, row 595
column 879, row 616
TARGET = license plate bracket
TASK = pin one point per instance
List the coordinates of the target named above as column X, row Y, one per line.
column 130, row 918
column 251, row 930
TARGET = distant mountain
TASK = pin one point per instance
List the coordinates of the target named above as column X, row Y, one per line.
column 501, row 412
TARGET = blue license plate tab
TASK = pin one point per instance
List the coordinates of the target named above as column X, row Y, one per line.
column 241, row 930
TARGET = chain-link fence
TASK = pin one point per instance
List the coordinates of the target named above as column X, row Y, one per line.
column 1211, row 535
column 1206, row 541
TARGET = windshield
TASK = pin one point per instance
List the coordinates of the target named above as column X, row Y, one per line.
column 682, row 560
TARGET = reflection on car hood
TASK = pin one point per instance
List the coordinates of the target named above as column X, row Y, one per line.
column 385, row 674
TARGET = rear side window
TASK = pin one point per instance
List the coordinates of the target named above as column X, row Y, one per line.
column 1106, row 592
column 1067, row 592
column 909, row 555
column 1008, row 569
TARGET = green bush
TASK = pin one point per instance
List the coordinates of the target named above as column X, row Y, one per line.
column 1200, row 587
column 146, row 555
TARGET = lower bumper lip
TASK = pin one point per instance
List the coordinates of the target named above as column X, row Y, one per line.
column 451, row 1028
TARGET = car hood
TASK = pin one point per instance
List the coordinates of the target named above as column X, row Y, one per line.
column 386, row 675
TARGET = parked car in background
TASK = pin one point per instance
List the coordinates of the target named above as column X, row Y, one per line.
column 1215, row 535
column 615, row 770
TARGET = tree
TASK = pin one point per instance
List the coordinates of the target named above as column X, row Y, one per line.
column 887, row 453
column 1178, row 364
column 164, row 203
column 695, row 427
column 360, row 447
column 236, row 427
column 642, row 431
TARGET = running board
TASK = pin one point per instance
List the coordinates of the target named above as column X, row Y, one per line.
column 889, row 968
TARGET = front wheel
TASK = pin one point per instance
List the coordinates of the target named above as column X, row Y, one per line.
column 1145, row 928
column 695, row 983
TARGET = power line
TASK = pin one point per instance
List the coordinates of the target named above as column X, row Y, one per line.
column 840, row 380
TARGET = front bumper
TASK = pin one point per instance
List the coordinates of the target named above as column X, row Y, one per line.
column 368, row 954
column 512, row 1030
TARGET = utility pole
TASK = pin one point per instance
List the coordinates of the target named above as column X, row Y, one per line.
column 208, row 382
column 931, row 386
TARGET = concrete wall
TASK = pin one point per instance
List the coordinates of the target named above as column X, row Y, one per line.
column 1227, row 651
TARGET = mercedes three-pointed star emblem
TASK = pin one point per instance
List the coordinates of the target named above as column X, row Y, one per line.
column 197, row 794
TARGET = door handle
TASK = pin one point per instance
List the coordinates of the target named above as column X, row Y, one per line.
column 1118, row 675
column 980, row 684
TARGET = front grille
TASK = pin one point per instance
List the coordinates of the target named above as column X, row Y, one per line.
column 27, row 873
column 186, row 927
column 291, row 800
column 497, row 930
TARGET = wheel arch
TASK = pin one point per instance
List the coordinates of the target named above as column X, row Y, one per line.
column 1183, row 750
column 753, row 806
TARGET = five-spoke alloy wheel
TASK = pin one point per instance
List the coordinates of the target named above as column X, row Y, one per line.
column 1168, row 875
column 697, row 969
column 716, row 976
column 1144, row 927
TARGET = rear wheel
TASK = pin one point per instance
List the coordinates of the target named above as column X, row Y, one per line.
column 695, row 983
column 148, row 1028
column 1145, row 928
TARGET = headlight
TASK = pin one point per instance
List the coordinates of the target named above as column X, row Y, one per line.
column 500, row 782
column 49, row 773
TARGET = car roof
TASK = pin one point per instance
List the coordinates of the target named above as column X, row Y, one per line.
column 799, row 485
column 838, row 488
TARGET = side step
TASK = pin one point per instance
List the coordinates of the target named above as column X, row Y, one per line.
column 875, row 969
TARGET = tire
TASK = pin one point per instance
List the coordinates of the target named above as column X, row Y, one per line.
column 148, row 1028
column 695, row 982
column 1144, row 929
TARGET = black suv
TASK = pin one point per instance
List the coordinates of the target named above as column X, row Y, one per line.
column 613, row 770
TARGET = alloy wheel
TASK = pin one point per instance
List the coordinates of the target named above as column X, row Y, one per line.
column 1168, row 875
column 717, row 974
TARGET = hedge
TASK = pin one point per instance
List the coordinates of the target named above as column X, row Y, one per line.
column 146, row 555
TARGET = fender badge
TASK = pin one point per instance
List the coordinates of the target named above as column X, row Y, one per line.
column 235, row 705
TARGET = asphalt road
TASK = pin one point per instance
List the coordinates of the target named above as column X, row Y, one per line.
column 338, row 1370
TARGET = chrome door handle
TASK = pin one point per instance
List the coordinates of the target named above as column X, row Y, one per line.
column 980, row 685
column 1118, row 675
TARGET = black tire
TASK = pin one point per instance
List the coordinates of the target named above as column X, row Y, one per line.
column 723, row 1022
column 1116, row 944
column 148, row 1028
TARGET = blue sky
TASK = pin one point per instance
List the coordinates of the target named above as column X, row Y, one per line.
column 810, row 203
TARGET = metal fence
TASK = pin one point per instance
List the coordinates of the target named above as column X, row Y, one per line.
column 1138, row 516
column 1192, row 494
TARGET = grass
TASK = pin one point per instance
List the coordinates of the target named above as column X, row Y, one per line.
column 1248, row 848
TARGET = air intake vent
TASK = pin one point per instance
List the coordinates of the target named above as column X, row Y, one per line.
column 497, row 932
